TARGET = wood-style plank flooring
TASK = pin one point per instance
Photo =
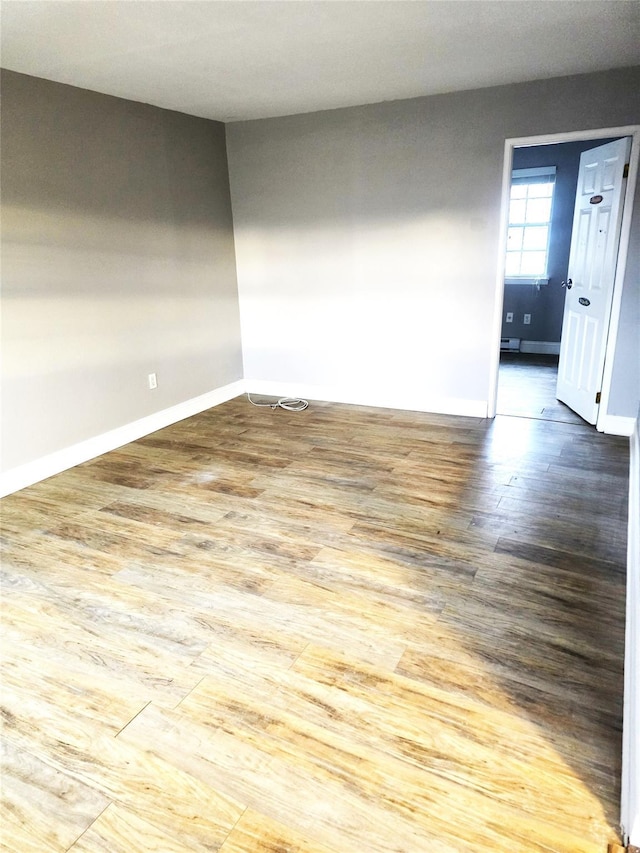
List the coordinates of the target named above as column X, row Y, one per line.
column 347, row 629
column 527, row 388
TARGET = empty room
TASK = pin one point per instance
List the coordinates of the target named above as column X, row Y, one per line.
column 320, row 465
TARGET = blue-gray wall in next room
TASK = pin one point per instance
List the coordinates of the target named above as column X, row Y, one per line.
column 546, row 304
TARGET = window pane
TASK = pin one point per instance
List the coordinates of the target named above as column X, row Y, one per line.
column 529, row 227
column 538, row 210
column 540, row 190
column 534, row 237
column 514, row 240
column 533, row 263
column 517, row 211
column 512, row 266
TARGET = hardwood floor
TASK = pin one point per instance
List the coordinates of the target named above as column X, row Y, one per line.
column 346, row 629
column 527, row 388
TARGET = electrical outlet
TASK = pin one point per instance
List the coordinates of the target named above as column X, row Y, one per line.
column 153, row 381
column 509, row 318
column 527, row 319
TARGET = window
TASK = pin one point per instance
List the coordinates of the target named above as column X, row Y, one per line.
column 529, row 225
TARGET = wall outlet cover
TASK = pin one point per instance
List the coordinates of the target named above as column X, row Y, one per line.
column 527, row 319
column 509, row 317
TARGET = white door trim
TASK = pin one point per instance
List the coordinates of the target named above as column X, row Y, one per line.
column 553, row 139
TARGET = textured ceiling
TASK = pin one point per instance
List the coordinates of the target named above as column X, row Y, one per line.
column 240, row 60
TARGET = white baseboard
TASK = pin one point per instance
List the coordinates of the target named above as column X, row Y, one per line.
column 408, row 401
column 33, row 472
column 541, row 347
column 61, row 460
column 616, row 425
column 630, row 801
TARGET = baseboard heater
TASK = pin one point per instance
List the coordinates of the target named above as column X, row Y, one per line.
column 510, row 345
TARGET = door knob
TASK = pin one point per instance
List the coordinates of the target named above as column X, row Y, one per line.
column 568, row 283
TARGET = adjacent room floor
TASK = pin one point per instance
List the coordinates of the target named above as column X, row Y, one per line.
column 527, row 388
column 343, row 630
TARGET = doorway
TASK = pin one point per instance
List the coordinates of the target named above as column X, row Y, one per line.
column 527, row 388
column 534, row 297
column 588, row 138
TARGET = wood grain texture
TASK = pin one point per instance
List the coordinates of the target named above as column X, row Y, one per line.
column 342, row 630
column 117, row 829
column 527, row 388
column 256, row 833
column 48, row 807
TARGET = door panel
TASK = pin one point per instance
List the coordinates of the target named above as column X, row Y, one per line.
column 592, row 266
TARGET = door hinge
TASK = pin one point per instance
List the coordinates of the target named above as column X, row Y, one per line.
column 598, row 396
column 625, row 171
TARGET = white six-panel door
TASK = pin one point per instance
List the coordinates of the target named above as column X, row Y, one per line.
column 592, row 267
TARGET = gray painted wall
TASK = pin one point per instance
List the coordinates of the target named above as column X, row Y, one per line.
column 118, row 260
column 366, row 238
column 625, row 387
column 546, row 304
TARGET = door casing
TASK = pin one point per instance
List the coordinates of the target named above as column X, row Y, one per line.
column 632, row 131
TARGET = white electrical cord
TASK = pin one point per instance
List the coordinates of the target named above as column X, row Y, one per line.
column 290, row 404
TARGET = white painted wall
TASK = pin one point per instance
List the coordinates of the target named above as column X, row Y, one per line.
column 366, row 239
column 343, row 250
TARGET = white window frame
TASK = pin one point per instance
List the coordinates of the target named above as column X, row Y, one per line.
column 537, row 172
